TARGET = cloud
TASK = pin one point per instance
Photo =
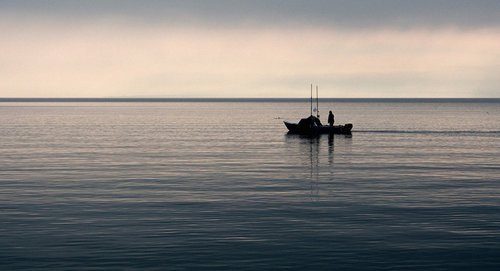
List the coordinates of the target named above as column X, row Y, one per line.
column 109, row 59
column 257, row 48
column 270, row 13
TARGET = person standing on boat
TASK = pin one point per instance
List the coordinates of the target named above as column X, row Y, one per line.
column 331, row 118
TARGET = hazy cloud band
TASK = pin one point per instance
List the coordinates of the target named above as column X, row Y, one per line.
column 225, row 13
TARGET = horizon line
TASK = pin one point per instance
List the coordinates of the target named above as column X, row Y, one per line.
column 128, row 99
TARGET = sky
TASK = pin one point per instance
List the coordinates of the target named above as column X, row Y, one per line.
column 250, row 49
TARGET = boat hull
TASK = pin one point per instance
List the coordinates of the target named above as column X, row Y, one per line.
column 294, row 128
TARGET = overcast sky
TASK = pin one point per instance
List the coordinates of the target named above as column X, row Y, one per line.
column 249, row 48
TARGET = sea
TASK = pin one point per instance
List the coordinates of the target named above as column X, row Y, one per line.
column 218, row 184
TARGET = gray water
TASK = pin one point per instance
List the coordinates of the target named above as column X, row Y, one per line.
column 221, row 186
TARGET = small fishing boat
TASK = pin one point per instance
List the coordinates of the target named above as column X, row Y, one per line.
column 312, row 125
column 308, row 127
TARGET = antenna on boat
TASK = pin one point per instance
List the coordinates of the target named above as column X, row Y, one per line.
column 311, row 99
column 317, row 103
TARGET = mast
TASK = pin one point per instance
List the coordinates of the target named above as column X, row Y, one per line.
column 311, row 99
column 317, row 103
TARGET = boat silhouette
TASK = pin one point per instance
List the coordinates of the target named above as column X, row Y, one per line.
column 312, row 125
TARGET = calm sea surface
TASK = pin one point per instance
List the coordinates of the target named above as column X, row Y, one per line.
column 221, row 186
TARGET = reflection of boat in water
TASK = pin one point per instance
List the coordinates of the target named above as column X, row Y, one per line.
column 316, row 160
column 312, row 125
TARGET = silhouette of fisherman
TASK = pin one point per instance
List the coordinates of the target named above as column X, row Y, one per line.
column 331, row 118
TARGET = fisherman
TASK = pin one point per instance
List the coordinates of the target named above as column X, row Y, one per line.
column 331, row 118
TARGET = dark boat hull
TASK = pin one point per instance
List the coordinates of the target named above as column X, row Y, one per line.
column 294, row 128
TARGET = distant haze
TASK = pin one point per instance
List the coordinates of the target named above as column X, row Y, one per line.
column 249, row 48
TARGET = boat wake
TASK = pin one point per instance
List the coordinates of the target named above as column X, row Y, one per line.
column 449, row 132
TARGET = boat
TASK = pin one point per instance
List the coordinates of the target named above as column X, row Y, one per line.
column 312, row 125
column 305, row 127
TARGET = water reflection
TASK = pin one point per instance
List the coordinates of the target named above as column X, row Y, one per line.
column 316, row 156
column 330, row 149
